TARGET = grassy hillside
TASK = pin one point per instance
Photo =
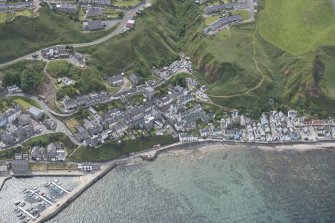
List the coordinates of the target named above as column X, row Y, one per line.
column 298, row 26
column 246, row 67
column 156, row 40
column 25, row 35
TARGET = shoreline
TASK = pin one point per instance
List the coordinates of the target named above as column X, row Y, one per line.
column 175, row 149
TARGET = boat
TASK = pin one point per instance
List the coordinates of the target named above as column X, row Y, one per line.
column 30, row 209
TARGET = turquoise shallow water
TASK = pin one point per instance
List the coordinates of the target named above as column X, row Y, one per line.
column 228, row 185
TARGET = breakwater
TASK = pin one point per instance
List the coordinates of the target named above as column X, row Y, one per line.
column 3, row 180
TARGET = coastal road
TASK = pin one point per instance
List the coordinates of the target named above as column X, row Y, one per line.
column 127, row 15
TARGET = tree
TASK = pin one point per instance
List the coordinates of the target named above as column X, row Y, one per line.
column 11, row 78
column 30, row 80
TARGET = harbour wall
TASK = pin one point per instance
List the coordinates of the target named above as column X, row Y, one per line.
column 3, row 180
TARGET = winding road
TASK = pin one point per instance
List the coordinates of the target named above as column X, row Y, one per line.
column 127, row 15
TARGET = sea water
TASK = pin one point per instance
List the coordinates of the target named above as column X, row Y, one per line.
column 226, row 185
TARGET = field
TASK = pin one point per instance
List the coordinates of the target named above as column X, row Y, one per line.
column 26, row 35
column 298, row 26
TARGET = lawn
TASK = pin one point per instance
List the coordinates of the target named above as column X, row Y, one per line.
column 298, row 26
column 125, row 3
column 211, row 19
column 41, row 167
column 72, row 124
column 62, row 166
column 224, row 34
column 244, row 14
column 112, row 14
column 25, row 102
column 113, row 150
column 10, row 16
column 3, row 17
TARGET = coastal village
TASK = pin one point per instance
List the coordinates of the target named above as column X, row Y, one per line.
column 173, row 102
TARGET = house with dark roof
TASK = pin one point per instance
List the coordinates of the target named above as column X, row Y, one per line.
column 38, row 153
column 67, row 7
column 35, row 113
column 134, row 79
column 20, row 166
column 116, row 80
column 93, row 25
column 94, row 12
column 8, row 138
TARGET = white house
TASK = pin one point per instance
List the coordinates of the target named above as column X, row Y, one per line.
column 204, row 132
column 187, row 138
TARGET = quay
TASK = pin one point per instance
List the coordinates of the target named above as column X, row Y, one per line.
column 43, row 198
column 66, row 191
column 27, row 213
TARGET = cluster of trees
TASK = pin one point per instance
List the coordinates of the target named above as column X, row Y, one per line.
column 27, row 77
column 87, row 80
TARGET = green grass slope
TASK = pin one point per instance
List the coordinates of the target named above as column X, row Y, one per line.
column 156, row 40
column 298, row 25
column 25, row 35
column 246, row 67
